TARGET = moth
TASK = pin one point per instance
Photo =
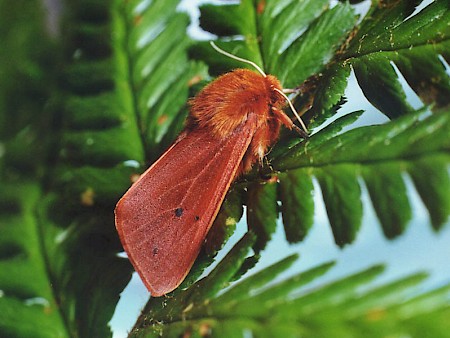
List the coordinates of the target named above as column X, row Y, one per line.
column 163, row 219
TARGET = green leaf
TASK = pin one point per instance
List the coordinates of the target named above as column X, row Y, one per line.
column 274, row 295
column 21, row 261
column 389, row 35
column 380, row 155
column 276, row 24
column 411, row 136
column 329, row 92
column 297, row 203
column 350, row 305
column 430, row 176
column 262, row 212
column 244, row 289
column 97, row 147
column 315, row 48
column 370, row 50
column 232, row 19
column 342, row 196
column 387, row 188
column 160, row 71
column 27, row 60
column 380, row 84
column 28, row 305
column 290, row 57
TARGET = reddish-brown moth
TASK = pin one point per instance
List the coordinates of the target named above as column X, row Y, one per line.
column 163, row 219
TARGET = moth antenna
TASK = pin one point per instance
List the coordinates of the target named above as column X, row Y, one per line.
column 221, row 51
column 293, row 109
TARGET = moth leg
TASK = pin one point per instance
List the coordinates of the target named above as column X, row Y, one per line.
column 286, row 121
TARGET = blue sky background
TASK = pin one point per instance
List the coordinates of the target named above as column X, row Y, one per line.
column 418, row 249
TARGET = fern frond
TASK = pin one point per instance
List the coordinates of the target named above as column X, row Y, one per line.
column 322, row 45
column 256, row 305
